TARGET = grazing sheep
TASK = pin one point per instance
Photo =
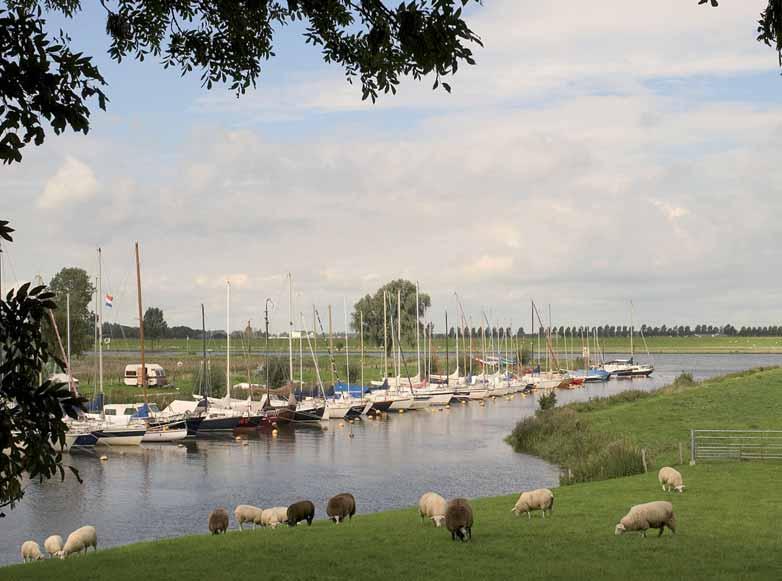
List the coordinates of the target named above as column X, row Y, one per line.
column 299, row 511
column 53, row 545
column 652, row 515
column 670, row 479
column 79, row 540
column 31, row 551
column 432, row 506
column 541, row 499
column 458, row 519
column 341, row 506
column 272, row 517
column 247, row 513
column 218, row 521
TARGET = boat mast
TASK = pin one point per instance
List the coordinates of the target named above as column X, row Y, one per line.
column 100, row 323
column 361, row 342
column 457, row 335
column 331, row 352
column 385, row 335
column 399, row 336
column 301, row 359
column 140, row 325
column 347, row 347
column 447, row 364
column 417, row 339
column 204, row 370
column 228, row 342
column 470, row 330
column 68, row 338
column 631, row 332
column 290, row 327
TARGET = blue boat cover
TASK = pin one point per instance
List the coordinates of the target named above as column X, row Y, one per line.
column 142, row 412
column 354, row 390
column 96, row 403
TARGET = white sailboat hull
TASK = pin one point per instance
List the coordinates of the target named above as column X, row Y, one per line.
column 478, row 394
column 164, row 435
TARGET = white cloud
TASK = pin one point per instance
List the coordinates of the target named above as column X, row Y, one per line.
column 72, row 183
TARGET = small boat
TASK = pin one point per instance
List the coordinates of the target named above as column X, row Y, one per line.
column 164, row 433
column 113, row 435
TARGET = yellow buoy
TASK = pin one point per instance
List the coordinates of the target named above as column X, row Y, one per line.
column 238, row 438
column 341, row 424
column 104, row 458
column 401, row 411
column 274, row 433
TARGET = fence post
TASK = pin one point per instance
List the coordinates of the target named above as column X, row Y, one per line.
column 692, row 448
column 643, row 459
column 681, row 454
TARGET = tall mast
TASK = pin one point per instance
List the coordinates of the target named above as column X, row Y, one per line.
column 631, row 329
column 347, row 348
column 100, row 323
column 290, row 327
column 228, row 341
column 457, row 335
column 417, row 340
column 331, row 350
column 266, row 348
column 301, row 358
column 204, row 380
column 140, row 325
column 399, row 336
column 68, row 337
column 361, row 342
column 447, row 364
column 470, row 329
column 385, row 335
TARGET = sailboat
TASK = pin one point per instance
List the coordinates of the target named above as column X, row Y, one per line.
column 120, row 430
column 628, row 367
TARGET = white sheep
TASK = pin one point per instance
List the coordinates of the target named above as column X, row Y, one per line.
column 670, row 479
column 245, row 513
column 53, row 545
column 432, row 506
column 651, row 515
column 31, row 551
column 541, row 499
column 273, row 517
column 79, row 540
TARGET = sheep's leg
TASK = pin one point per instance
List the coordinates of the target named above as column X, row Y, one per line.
column 662, row 528
column 529, row 515
column 241, row 527
column 544, row 512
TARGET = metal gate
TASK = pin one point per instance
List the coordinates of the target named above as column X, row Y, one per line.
column 735, row 445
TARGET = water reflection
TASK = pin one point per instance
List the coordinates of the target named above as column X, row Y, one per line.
column 162, row 490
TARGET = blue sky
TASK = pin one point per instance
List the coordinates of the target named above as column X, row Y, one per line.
column 589, row 158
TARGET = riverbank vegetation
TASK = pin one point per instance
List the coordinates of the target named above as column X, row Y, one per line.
column 609, row 437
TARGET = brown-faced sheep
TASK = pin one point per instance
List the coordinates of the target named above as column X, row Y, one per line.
column 459, row 519
column 299, row 511
column 340, row 507
column 218, row 521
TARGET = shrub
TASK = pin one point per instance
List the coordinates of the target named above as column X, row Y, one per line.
column 547, row 401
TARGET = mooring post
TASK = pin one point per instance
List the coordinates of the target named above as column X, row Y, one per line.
column 643, row 459
column 692, row 448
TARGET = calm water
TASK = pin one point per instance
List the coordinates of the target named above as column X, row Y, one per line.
column 162, row 490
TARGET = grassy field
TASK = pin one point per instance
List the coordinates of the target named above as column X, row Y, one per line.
column 727, row 519
column 719, row 537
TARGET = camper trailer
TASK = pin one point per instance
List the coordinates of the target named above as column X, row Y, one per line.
column 156, row 375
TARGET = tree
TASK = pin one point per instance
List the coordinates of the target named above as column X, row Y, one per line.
column 32, row 430
column 155, row 326
column 43, row 80
column 76, row 283
column 372, row 309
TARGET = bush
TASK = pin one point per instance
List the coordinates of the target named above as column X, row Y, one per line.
column 278, row 372
column 547, row 401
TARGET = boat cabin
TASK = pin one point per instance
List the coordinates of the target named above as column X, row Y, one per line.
column 156, row 375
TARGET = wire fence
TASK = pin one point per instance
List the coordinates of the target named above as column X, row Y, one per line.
column 706, row 445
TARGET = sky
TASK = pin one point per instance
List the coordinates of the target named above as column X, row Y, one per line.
column 629, row 151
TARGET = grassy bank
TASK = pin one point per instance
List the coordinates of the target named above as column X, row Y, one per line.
column 603, row 438
column 727, row 519
column 719, row 537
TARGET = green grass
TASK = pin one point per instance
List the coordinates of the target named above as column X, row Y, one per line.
column 728, row 529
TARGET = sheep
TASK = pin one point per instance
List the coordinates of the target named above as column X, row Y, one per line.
column 31, row 551
column 218, row 521
column 431, row 505
column 341, row 506
column 458, row 519
column 299, row 511
column 670, row 479
column 79, row 540
column 245, row 513
column 53, row 545
column 272, row 517
column 541, row 499
column 651, row 515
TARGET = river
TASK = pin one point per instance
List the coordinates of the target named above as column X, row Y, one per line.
column 157, row 491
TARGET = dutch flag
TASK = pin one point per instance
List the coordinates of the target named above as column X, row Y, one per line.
column 109, row 301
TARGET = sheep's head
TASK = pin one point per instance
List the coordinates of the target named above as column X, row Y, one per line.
column 335, row 519
column 59, row 554
column 461, row 534
column 680, row 488
column 620, row 529
column 438, row 520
